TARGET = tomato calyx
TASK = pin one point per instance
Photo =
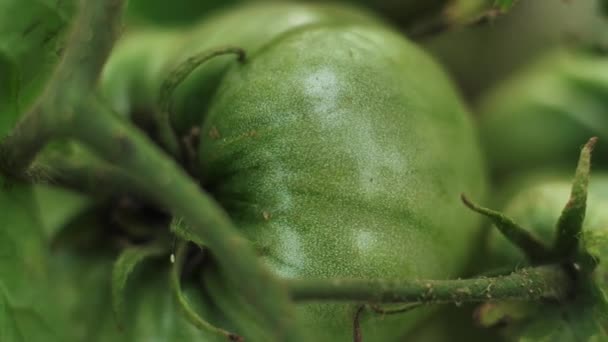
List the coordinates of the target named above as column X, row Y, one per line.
column 566, row 248
column 574, row 250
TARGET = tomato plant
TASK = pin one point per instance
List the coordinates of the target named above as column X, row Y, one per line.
column 275, row 172
column 288, row 190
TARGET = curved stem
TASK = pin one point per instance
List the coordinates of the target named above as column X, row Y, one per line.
column 537, row 283
column 175, row 78
column 190, row 314
column 120, row 143
column 96, row 28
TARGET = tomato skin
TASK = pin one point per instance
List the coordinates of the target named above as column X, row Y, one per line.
column 134, row 74
column 541, row 116
column 340, row 151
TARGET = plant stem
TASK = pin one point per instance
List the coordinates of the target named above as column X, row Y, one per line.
column 176, row 77
column 95, row 30
column 534, row 249
column 529, row 284
column 87, row 175
column 570, row 223
column 120, row 143
column 189, row 313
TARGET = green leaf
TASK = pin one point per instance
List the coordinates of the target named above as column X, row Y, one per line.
column 83, row 278
column 31, row 39
column 124, row 266
column 57, row 207
column 529, row 244
column 28, row 311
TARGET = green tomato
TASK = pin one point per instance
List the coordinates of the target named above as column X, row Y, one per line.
column 134, row 74
column 340, row 150
column 539, row 26
column 540, row 117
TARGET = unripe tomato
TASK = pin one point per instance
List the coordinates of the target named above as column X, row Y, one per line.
column 540, row 117
column 340, row 150
column 338, row 147
column 143, row 59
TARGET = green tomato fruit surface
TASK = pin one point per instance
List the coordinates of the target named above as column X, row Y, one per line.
column 539, row 118
column 340, row 150
column 132, row 79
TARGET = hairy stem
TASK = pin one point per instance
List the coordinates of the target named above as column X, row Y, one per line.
column 95, row 30
column 121, row 144
column 529, row 284
column 570, row 223
column 534, row 249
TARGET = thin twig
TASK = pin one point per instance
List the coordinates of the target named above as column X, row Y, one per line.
column 530, row 284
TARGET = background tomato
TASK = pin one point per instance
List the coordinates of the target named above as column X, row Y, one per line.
column 341, row 150
column 541, row 116
column 528, row 31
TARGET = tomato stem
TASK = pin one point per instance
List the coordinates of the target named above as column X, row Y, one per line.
column 187, row 310
column 123, row 145
column 68, row 109
column 95, row 30
column 175, row 78
column 86, row 175
column 550, row 282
